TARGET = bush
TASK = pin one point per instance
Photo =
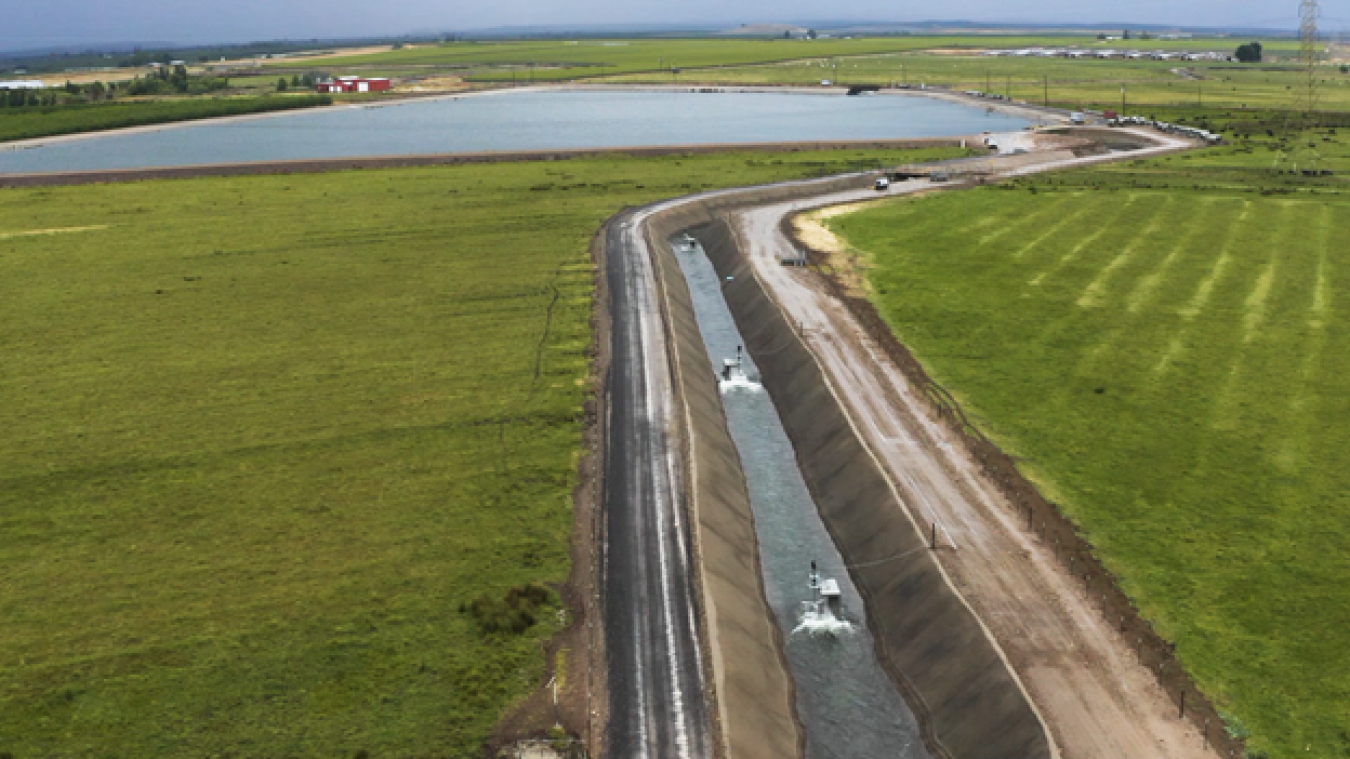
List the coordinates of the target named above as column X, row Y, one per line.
column 517, row 612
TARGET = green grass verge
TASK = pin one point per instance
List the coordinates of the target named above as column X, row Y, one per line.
column 264, row 437
column 1163, row 345
column 27, row 123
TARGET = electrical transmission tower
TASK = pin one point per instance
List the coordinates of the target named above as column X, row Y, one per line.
column 1308, row 12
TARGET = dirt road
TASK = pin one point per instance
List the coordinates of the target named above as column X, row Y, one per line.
column 1096, row 699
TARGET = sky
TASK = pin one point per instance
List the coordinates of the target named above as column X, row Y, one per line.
column 42, row 23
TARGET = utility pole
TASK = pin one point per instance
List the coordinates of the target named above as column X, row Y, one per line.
column 1047, row 90
column 1122, row 100
column 1007, row 88
column 1308, row 12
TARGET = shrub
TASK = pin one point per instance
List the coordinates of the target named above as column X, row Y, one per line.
column 515, row 613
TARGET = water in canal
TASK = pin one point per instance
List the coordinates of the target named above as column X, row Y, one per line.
column 524, row 120
column 849, row 706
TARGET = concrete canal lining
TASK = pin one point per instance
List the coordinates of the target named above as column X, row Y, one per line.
column 930, row 642
column 756, row 718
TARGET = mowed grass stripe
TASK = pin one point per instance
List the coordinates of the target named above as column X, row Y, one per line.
column 1027, row 220
column 1105, row 222
column 1196, row 219
column 1203, row 451
column 1240, row 300
column 1039, row 243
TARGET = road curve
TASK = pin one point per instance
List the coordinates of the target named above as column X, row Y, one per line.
column 656, row 681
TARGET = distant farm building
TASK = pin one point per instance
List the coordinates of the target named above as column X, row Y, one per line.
column 354, row 84
column 22, row 84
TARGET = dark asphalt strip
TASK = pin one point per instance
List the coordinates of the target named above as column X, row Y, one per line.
column 656, row 680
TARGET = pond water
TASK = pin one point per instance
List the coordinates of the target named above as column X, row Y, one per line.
column 519, row 120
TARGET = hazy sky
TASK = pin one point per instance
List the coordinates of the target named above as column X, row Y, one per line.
column 40, row 23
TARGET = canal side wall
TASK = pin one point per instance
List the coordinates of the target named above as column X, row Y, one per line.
column 932, row 645
column 753, row 696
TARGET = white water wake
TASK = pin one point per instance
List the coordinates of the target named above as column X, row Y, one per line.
column 739, row 382
column 817, row 619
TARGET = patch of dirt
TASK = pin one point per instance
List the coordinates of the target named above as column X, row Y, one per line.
column 303, row 59
column 52, row 231
column 434, row 84
column 846, row 262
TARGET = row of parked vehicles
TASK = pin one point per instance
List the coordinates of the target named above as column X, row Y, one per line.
column 1168, row 127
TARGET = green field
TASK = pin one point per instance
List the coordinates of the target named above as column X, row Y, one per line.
column 30, row 122
column 1060, row 82
column 555, row 60
column 1164, row 346
column 264, row 436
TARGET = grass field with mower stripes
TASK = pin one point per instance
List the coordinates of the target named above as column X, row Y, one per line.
column 1171, row 366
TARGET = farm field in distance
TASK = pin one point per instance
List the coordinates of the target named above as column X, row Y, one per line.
column 1163, row 346
column 566, row 60
column 1064, row 83
column 27, row 123
column 265, row 436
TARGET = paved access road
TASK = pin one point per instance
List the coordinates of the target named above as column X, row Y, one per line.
column 656, row 681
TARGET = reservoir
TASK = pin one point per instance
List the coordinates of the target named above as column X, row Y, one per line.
column 848, row 705
column 516, row 120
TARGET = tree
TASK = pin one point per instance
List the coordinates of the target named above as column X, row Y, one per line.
column 1101, row 35
column 1125, row 35
column 281, row 84
column 295, row 81
column 179, row 78
column 1249, row 53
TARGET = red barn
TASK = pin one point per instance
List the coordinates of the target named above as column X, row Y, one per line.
column 355, row 84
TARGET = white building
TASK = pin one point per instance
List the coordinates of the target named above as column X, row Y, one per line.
column 23, row 84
